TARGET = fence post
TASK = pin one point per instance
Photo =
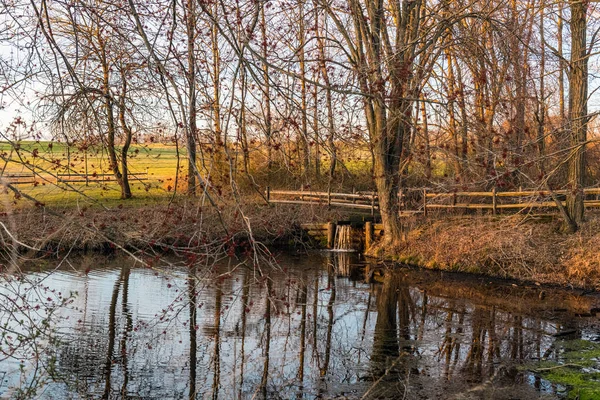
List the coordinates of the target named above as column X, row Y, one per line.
column 330, row 234
column 494, row 204
column 268, row 194
column 329, row 197
column 368, row 234
column 87, row 179
column 425, row 202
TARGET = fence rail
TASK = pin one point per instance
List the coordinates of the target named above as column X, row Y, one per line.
column 83, row 178
column 422, row 200
column 24, row 178
column 19, row 178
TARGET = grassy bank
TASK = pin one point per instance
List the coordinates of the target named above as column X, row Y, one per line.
column 510, row 247
column 178, row 226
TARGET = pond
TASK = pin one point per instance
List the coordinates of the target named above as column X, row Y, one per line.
column 324, row 325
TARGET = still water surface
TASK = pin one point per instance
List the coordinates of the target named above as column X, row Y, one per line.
column 321, row 327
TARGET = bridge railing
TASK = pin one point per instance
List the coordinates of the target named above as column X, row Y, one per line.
column 421, row 200
column 357, row 200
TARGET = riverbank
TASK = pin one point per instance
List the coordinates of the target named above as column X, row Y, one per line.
column 182, row 224
column 525, row 248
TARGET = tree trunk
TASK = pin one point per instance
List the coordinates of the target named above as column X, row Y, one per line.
column 191, row 81
column 242, row 120
column 219, row 140
column 541, row 106
column 388, row 150
column 452, row 95
column 426, row 139
column 316, row 132
column 111, row 125
column 328, row 101
column 126, row 189
column 578, row 92
column 561, row 65
column 267, row 94
column 303, row 93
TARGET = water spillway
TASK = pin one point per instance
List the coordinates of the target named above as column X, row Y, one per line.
column 343, row 238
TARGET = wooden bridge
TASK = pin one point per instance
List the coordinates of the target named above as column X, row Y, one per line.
column 422, row 200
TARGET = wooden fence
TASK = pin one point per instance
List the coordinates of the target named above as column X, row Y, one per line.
column 20, row 178
column 30, row 178
column 422, row 200
column 83, row 178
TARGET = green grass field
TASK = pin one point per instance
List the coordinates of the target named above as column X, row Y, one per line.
column 47, row 160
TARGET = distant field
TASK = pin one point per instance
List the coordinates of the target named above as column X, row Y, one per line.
column 159, row 160
column 49, row 159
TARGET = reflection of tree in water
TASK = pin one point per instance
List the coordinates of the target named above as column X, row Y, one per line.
column 112, row 329
column 308, row 334
column 266, row 340
column 244, row 318
column 302, row 300
column 480, row 324
column 87, row 362
column 386, row 344
column 217, row 338
column 332, row 296
column 193, row 329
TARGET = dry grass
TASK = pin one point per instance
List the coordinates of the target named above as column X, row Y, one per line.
column 184, row 224
column 507, row 247
column 581, row 259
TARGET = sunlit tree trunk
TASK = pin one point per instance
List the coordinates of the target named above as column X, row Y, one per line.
column 328, row 100
column 541, row 104
column 219, row 138
column 111, row 125
column 578, row 92
column 561, row 64
column 242, row 124
column 303, row 139
column 191, row 82
column 425, row 130
column 266, row 92
column 519, row 76
column 125, row 188
column 316, row 131
column 452, row 96
column 464, row 129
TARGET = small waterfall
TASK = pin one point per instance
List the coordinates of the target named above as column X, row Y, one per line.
column 343, row 238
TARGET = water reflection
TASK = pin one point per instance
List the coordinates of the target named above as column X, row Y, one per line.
column 323, row 327
column 193, row 328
